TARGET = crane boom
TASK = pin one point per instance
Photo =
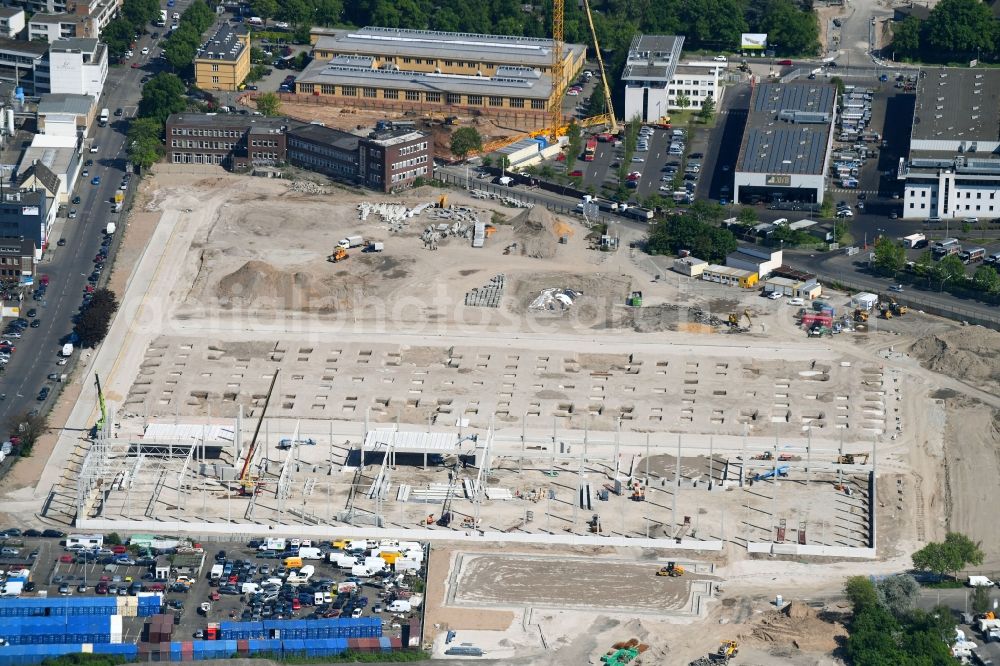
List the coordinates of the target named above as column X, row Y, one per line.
column 245, row 472
column 100, row 401
column 608, row 104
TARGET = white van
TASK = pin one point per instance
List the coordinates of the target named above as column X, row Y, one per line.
column 399, row 606
column 310, row 553
column 342, row 560
column 362, row 571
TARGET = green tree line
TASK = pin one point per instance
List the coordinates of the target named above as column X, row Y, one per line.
column 955, row 30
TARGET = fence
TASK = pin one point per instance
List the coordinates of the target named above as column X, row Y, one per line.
column 951, row 312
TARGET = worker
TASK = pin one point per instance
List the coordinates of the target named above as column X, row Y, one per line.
column 813, row 366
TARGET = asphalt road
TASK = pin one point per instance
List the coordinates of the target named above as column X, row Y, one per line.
column 68, row 267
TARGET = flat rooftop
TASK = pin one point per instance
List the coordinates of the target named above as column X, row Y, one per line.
column 223, row 45
column 64, row 103
column 509, row 81
column 9, row 12
column 787, row 128
column 392, row 42
column 36, row 49
column 56, row 18
column 957, row 105
column 327, row 136
column 653, row 57
column 229, row 120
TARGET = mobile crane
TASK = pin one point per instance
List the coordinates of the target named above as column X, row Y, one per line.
column 247, row 483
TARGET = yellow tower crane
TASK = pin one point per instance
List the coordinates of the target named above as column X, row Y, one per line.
column 609, row 107
column 555, row 101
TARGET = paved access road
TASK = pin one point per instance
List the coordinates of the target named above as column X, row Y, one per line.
column 68, row 266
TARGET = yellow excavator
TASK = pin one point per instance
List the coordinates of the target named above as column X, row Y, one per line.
column 734, row 319
column 728, row 650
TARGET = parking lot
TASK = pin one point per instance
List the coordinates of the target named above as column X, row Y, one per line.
column 257, row 585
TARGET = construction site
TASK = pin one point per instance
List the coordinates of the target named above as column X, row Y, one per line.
column 463, row 370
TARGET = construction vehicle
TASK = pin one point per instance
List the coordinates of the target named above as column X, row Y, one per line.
column 594, row 524
column 852, row 459
column 339, row 254
column 860, row 315
column 734, row 319
column 247, row 482
column 820, row 331
column 442, row 201
column 608, row 105
column 895, row 308
column 672, row 569
column 728, row 650
column 634, row 299
column 885, row 313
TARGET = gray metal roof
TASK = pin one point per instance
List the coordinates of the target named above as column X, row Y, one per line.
column 505, row 49
column 787, row 128
column 56, row 18
column 64, row 103
column 223, row 45
column 957, row 105
column 522, row 83
column 326, row 136
column 653, row 57
column 35, row 49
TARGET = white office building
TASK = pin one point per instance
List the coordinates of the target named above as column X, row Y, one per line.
column 78, row 66
column 11, row 21
column 656, row 80
column 953, row 169
column 695, row 81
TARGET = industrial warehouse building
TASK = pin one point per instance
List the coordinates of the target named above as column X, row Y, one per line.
column 655, row 78
column 787, row 143
column 760, row 260
column 952, row 171
column 426, row 71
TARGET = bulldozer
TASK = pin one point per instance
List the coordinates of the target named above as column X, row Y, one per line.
column 672, row 569
column 339, row 254
column 860, row 315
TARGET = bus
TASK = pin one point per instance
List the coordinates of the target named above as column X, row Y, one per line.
column 590, row 150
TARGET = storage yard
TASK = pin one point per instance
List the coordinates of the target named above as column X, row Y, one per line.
column 257, row 376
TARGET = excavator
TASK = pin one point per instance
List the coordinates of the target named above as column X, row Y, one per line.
column 672, row 569
column 853, row 459
column 896, row 308
column 734, row 319
column 728, row 650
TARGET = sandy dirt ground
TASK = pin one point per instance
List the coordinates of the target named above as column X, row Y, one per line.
column 243, row 260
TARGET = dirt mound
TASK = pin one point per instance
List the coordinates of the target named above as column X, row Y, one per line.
column 796, row 625
column 971, row 354
column 535, row 230
column 258, row 284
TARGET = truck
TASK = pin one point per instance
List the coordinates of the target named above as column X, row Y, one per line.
column 118, row 202
column 351, row 241
column 374, row 247
column 980, row 581
column 639, row 213
column 272, row 543
column 104, row 117
column 945, row 248
column 914, row 241
column 67, row 349
column 972, row 255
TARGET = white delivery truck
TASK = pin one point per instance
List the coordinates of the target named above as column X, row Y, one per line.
column 351, row 241
column 272, row 544
column 980, row 581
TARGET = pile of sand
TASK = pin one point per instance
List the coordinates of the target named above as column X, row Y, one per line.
column 971, row 354
column 258, row 284
column 796, row 625
column 535, row 231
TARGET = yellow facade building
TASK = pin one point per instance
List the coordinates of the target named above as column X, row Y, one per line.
column 223, row 62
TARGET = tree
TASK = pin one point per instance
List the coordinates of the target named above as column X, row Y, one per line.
column 140, row 13
column 92, row 327
column 113, row 539
column 683, row 101
column 889, row 256
column 898, row 594
column 790, row 28
column 707, row 109
column 596, row 105
column 180, row 51
column 986, row 279
column 860, row 591
column 117, row 34
column 465, row 140
column 269, row 104
column 980, row 599
column 950, row 268
column 695, row 231
column 747, row 217
column 959, row 27
column 948, row 556
column 161, row 96
column 143, row 141
column 906, row 36
column 29, row 427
